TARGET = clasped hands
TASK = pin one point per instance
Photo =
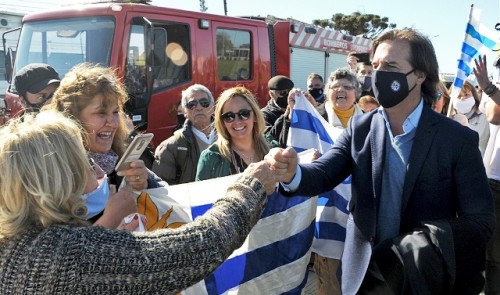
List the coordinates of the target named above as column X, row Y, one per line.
column 279, row 165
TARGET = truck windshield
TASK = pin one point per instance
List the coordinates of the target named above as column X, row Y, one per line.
column 64, row 43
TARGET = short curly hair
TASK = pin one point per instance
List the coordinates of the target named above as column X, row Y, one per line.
column 345, row 73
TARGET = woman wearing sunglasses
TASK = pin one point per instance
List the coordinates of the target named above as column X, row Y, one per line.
column 240, row 128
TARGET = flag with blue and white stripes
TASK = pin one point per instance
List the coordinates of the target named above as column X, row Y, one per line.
column 308, row 129
column 479, row 39
column 275, row 255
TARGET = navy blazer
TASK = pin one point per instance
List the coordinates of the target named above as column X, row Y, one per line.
column 445, row 181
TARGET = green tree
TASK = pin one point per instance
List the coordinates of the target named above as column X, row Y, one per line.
column 224, row 44
column 203, row 7
column 355, row 24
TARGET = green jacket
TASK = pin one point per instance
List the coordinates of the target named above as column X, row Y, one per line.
column 212, row 164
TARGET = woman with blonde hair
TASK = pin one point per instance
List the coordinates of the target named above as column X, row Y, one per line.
column 240, row 128
column 94, row 97
column 47, row 247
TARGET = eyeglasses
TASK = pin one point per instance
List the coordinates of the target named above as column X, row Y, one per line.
column 229, row 117
column 204, row 102
column 344, row 87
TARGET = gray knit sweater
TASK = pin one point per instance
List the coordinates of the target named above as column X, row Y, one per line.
column 67, row 259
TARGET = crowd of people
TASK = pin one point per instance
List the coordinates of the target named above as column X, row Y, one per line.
column 425, row 178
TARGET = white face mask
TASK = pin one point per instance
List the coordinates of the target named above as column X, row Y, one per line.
column 463, row 106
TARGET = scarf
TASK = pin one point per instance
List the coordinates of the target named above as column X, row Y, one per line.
column 106, row 161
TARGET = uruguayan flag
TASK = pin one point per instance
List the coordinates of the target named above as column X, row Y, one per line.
column 479, row 39
column 309, row 130
column 275, row 255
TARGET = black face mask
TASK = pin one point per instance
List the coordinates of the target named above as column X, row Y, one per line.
column 35, row 107
column 315, row 92
column 282, row 101
column 282, row 98
column 390, row 88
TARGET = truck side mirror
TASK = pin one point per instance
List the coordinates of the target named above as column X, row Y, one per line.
column 10, row 39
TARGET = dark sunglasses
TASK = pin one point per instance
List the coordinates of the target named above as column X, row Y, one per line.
column 229, row 117
column 204, row 102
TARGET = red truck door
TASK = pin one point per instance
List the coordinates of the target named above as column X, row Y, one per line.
column 218, row 52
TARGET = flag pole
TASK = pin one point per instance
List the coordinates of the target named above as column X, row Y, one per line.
column 453, row 91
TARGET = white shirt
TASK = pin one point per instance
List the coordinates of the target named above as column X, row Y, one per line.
column 206, row 139
column 491, row 157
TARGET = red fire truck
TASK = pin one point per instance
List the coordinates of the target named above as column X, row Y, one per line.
column 160, row 51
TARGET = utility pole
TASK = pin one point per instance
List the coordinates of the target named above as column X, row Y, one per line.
column 225, row 7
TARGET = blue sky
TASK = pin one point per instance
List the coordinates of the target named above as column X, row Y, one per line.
column 443, row 21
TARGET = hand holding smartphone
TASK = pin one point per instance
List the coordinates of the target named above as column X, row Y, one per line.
column 134, row 150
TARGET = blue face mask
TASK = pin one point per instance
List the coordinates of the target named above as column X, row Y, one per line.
column 366, row 82
column 97, row 199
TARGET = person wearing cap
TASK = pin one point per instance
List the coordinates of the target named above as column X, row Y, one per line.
column 275, row 112
column 278, row 111
column 35, row 84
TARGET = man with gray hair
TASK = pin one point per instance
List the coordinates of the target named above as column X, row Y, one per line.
column 176, row 158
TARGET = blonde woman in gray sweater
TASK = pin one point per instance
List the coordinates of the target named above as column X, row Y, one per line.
column 47, row 247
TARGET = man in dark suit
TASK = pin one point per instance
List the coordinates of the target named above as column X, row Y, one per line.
column 421, row 211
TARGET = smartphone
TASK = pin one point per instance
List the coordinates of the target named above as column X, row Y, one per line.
column 134, row 150
column 362, row 57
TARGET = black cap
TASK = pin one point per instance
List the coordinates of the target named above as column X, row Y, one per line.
column 35, row 77
column 280, row 83
column 496, row 63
